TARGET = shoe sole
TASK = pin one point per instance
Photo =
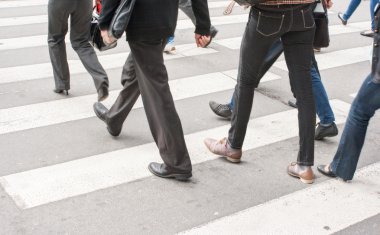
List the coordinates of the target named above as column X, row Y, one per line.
column 233, row 160
column 305, row 181
column 330, row 135
column 331, row 175
column 179, row 177
column 344, row 22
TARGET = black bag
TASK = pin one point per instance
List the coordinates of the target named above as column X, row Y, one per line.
column 321, row 36
column 121, row 18
column 96, row 39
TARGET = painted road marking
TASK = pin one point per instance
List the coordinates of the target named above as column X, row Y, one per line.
column 52, row 183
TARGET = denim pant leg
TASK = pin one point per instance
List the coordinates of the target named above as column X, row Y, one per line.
column 351, row 8
column 351, row 143
column 273, row 54
column 324, row 111
column 298, row 53
column 372, row 5
column 254, row 47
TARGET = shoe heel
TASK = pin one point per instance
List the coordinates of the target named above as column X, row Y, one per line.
column 233, row 160
column 183, row 177
column 305, row 181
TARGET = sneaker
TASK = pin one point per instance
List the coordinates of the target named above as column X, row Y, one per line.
column 304, row 173
column 325, row 131
column 222, row 148
column 340, row 16
column 222, row 110
column 169, row 47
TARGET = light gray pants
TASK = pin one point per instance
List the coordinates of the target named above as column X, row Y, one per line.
column 185, row 6
column 80, row 12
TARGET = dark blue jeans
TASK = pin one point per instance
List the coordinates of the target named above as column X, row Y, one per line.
column 294, row 24
column 322, row 104
column 351, row 143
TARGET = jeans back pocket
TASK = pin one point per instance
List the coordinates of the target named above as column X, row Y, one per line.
column 268, row 25
column 308, row 18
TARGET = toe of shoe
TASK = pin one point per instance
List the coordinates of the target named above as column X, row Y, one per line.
column 208, row 142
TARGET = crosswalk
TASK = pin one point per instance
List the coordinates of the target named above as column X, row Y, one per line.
column 68, row 190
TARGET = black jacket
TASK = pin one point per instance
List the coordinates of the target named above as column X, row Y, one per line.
column 376, row 49
column 155, row 19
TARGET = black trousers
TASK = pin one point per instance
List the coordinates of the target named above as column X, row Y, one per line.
column 266, row 24
column 145, row 73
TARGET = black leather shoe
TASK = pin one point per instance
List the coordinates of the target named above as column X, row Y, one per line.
column 59, row 91
column 325, row 131
column 293, row 103
column 213, row 33
column 340, row 16
column 161, row 170
column 102, row 93
column 222, row 110
column 101, row 111
column 326, row 170
column 367, row 33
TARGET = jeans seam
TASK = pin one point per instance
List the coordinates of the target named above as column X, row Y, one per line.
column 304, row 22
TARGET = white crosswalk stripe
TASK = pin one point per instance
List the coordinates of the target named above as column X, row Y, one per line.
column 325, row 207
column 55, row 112
column 339, row 206
column 337, row 58
column 232, row 43
column 44, row 185
column 28, row 3
column 37, row 71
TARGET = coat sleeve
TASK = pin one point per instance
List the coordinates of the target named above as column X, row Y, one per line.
column 202, row 17
column 108, row 10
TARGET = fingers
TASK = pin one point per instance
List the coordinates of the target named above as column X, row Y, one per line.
column 107, row 39
column 202, row 41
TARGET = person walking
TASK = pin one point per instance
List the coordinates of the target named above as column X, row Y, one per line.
column 293, row 22
column 325, row 128
column 144, row 72
column 363, row 108
column 344, row 17
column 186, row 7
column 80, row 13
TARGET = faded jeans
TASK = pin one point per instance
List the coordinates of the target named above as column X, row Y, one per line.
column 351, row 143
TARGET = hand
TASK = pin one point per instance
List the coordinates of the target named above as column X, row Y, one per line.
column 202, row 41
column 107, row 39
column 328, row 3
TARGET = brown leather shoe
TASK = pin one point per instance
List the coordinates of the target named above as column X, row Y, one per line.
column 304, row 173
column 222, row 148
